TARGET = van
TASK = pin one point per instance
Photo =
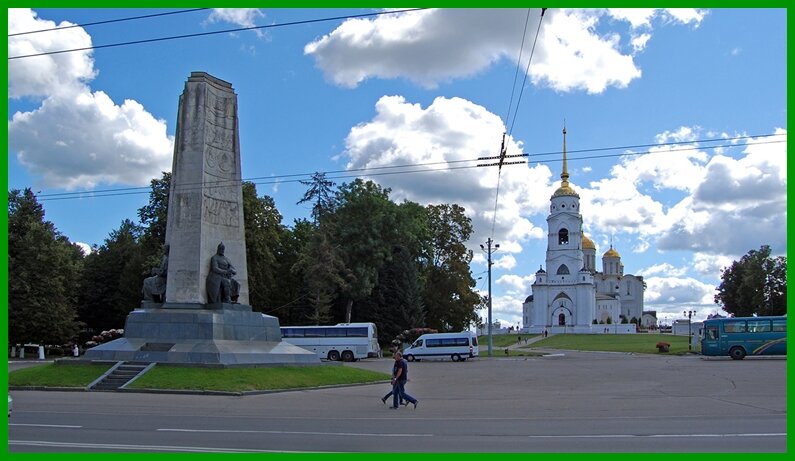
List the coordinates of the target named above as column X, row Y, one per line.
column 458, row 346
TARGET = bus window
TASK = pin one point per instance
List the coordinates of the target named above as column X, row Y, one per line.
column 758, row 326
column 712, row 332
column 417, row 343
column 780, row 325
column 734, row 326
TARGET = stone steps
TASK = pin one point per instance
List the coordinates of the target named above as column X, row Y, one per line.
column 120, row 376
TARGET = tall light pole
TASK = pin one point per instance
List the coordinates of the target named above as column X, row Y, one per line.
column 689, row 315
column 488, row 251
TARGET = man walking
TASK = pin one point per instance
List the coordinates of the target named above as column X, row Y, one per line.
column 399, row 383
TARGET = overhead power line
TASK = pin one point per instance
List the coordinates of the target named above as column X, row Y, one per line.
column 504, row 146
column 109, row 21
column 225, row 31
column 413, row 168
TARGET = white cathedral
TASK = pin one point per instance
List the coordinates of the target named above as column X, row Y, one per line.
column 571, row 296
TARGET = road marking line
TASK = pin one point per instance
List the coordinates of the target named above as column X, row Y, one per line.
column 106, row 446
column 618, row 436
column 46, row 425
column 357, row 434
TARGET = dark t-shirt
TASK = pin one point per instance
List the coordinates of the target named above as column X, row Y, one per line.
column 403, row 365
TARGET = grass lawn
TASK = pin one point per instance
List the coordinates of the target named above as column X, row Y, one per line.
column 253, row 379
column 220, row 379
column 501, row 341
column 55, row 375
column 642, row 343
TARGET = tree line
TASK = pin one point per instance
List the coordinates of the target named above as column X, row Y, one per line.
column 361, row 257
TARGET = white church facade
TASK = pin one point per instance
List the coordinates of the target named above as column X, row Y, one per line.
column 571, row 296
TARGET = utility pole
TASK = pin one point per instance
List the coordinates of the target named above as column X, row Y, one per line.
column 488, row 251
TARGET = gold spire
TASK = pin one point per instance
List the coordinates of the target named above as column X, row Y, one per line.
column 565, row 175
column 564, row 188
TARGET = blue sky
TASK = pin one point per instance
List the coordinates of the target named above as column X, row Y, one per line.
column 436, row 88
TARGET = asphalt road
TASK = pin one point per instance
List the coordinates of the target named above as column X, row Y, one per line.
column 569, row 402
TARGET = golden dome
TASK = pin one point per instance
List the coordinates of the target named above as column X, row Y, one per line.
column 587, row 244
column 565, row 190
column 611, row 253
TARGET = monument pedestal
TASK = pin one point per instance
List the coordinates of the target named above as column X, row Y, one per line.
column 216, row 334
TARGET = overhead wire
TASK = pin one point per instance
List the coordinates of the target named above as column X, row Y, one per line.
column 418, row 167
column 505, row 139
column 216, row 32
column 108, row 21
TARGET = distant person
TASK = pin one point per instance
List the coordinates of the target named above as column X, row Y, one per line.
column 545, row 332
column 75, row 351
column 391, row 391
column 399, row 383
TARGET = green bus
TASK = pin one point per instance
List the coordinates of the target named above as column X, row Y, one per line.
column 741, row 336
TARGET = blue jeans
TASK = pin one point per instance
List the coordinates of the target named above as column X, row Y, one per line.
column 399, row 393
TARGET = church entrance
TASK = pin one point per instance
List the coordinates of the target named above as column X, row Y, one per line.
column 562, row 319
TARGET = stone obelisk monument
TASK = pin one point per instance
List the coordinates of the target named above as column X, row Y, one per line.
column 206, row 200
column 204, row 317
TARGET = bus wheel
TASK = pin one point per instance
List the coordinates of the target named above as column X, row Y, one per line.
column 347, row 356
column 410, row 358
column 333, row 356
column 455, row 357
column 737, row 353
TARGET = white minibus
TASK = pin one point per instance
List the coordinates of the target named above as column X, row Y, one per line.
column 458, row 346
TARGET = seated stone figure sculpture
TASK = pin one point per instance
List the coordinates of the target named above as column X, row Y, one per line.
column 221, row 287
column 154, row 288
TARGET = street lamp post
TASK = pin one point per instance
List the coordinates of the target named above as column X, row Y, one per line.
column 689, row 315
column 488, row 251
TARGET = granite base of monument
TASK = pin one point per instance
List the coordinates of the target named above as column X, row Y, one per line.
column 196, row 334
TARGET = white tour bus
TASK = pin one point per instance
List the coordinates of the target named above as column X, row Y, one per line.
column 346, row 341
column 457, row 346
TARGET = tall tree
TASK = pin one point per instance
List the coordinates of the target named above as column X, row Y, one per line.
column 366, row 230
column 321, row 193
column 112, row 279
column 324, row 274
column 43, row 275
column 754, row 285
column 288, row 300
column 264, row 231
column 450, row 298
column 396, row 304
column 153, row 216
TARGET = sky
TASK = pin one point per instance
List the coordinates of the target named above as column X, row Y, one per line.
column 675, row 119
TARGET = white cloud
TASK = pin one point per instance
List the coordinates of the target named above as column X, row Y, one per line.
column 244, row 17
column 711, row 265
column 430, row 47
column 89, row 139
column 50, row 75
column 637, row 17
column 684, row 290
column 506, row 262
column 687, row 15
column 739, row 204
column 84, row 247
column 446, row 136
column 516, row 285
column 718, row 204
column 663, row 268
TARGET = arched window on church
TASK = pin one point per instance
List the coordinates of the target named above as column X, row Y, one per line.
column 563, row 237
column 563, row 270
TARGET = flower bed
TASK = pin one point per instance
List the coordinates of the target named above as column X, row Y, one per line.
column 663, row 347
